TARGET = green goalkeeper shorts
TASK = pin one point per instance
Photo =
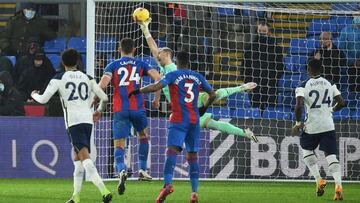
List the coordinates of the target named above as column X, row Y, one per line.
column 204, row 118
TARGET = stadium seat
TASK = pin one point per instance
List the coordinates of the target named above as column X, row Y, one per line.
column 349, row 6
column 55, row 46
column 320, row 25
column 341, row 21
column 302, row 45
column 277, row 113
column 106, row 44
column 161, row 42
column 288, row 82
column 342, row 114
column 286, row 100
column 150, row 60
column 78, row 43
column 355, row 114
column 83, row 59
column 226, row 11
column 32, row 109
column 352, row 99
column 296, row 63
column 55, row 60
column 12, row 59
column 239, row 100
column 246, row 113
column 220, row 112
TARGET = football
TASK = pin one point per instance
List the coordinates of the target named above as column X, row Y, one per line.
column 141, row 14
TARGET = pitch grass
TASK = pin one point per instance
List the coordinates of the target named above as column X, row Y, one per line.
column 59, row 190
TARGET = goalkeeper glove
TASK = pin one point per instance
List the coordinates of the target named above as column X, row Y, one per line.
column 248, row 86
column 134, row 92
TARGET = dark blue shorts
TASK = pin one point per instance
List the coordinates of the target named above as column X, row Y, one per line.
column 179, row 134
column 326, row 140
column 123, row 120
column 80, row 136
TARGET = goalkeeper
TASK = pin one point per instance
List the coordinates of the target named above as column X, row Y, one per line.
column 164, row 56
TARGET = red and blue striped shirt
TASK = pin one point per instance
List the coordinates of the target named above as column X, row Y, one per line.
column 184, row 88
column 127, row 73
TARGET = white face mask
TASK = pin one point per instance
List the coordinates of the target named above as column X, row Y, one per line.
column 29, row 14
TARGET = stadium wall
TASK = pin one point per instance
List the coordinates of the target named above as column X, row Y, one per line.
column 33, row 147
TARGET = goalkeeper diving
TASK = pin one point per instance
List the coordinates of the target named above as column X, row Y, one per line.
column 164, row 56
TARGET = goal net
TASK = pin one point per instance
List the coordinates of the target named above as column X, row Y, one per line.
column 233, row 43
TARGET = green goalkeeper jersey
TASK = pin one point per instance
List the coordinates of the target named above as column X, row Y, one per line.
column 163, row 71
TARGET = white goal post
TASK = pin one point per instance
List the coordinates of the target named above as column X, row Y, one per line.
column 224, row 46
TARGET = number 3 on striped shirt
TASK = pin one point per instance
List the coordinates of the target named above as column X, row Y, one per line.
column 189, row 92
column 134, row 76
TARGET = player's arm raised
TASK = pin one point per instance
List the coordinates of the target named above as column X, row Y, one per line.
column 49, row 92
column 149, row 39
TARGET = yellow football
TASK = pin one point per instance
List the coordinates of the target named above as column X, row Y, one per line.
column 141, row 14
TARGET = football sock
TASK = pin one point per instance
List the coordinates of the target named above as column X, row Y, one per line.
column 194, row 172
column 119, row 159
column 78, row 176
column 169, row 167
column 225, row 92
column 311, row 162
column 334, row 168
column 94, row 176
column 225, row 127
column 143, row 152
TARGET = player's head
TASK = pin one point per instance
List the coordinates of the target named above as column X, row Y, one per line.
column 127, row 47
column 182, row 60
column 69, row 58
column 165, row 55
column 263, row 28
column 314, row 67
column 325, row 39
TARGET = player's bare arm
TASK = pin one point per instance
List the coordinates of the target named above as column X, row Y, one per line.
column 149, row 39
column 340, row 103
column 150, row 88
column 299, row 105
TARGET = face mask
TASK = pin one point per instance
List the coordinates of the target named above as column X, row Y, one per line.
column 2, row 87
column 29, row 14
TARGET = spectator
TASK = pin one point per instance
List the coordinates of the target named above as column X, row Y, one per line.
column 349, row 41
column 332, row 58
column 5, row 64
column 11, row 103
column 24, row 27
column 26, row 61
column 264, row 66
column 36, row 76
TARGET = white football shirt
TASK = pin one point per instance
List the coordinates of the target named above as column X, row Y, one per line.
column 318, row 96
column 75, row 89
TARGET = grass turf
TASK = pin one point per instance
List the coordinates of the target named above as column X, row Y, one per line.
column 59, row 190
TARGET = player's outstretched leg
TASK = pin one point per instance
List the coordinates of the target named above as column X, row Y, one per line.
column 192, row 159
column 78, row 179
column 143, row 155
column 311, row 162
column 334, row 169
column 91, row 170
column 230, row 129
column 169, row 167
column 225, row 92
column 119, row 154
